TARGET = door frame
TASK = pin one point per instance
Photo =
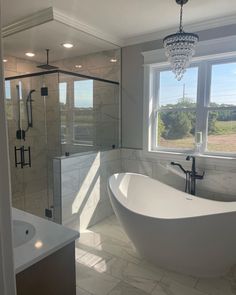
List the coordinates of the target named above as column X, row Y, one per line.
column 7, row 273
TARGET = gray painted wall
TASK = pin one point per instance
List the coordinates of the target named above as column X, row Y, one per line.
column 132, row 84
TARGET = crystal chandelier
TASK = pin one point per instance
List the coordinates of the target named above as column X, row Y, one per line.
column 180, row 47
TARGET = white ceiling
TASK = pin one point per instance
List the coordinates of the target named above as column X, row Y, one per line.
column 51, row 35
column 123, row 18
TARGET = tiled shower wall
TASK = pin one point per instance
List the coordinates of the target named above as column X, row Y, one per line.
column 97, row 65
column 32, row 188
column 17, row 66
column 80, row 182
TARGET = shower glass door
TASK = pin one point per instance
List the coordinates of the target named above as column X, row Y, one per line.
column 33, row 115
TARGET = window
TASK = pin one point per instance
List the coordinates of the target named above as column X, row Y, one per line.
column 8, row 89
column 222, row 108
column 8, row 101
column 204, row 101
column 83, row 116
column 62, row 92
column 176, row 112
column 83, row 94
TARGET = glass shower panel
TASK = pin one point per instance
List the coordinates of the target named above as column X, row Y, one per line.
column 89, row 114
column 33, row 115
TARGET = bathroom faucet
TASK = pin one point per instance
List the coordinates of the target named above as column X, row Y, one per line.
column 191, row 176
column 194, row 175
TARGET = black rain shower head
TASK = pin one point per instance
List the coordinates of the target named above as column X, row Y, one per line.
column 47, row 66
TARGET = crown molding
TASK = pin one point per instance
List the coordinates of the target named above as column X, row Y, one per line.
column 52, row 14
column 63, row 18
column 194, row 27
column 31, row 21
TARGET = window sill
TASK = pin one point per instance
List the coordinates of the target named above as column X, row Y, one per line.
column 187, row 152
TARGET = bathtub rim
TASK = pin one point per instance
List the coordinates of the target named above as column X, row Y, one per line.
column 109, row 188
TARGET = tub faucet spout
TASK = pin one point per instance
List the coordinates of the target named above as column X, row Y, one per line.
column 179, row 165
column 191, row 176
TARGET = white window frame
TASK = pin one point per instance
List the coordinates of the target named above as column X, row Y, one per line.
column 204, row 64
column 156, row 108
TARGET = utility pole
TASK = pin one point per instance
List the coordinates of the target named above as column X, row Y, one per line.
column 184, row 91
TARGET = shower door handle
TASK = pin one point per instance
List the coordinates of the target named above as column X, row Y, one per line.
column 19, row 150
column 29, row 156
column 22, row 162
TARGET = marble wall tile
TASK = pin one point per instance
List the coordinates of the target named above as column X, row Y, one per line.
column 83, row 187
column 35, row 203
column 217, row 184
column 135, row 166
column 32, row 187
column 95, row 64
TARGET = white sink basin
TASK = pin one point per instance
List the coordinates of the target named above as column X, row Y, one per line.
column 23, row 232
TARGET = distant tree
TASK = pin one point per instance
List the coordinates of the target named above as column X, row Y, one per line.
column 161, row 126
column 212, row 118
column 179, row 124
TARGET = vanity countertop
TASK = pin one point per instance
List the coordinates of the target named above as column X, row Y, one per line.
column 49, row 237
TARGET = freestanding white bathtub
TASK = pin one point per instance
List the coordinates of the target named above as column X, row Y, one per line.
column 173, row 229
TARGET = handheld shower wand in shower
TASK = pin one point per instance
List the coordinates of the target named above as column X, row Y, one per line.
column 29, row 109
column 20, row 133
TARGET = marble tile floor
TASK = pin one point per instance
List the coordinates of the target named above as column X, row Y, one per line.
column 107, row 264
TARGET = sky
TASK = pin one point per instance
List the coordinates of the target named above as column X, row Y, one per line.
column 83, row 93
column 223, row 85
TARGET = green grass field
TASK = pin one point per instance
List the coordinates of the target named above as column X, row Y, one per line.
column 226, row 127
column 223, row 141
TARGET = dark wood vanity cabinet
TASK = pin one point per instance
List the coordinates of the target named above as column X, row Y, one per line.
column 53, row 275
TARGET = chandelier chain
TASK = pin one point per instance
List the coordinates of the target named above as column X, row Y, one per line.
column 181, row 18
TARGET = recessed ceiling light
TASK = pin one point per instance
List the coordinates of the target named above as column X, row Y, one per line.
column 4, row 60
column 30, row 54
column 78, row 66
column 68, row 45
column 113, row 60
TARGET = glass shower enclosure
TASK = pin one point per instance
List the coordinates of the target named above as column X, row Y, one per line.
column 52, row 114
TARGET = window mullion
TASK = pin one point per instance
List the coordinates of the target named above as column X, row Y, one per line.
column 202, row 101
column 155, row 108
